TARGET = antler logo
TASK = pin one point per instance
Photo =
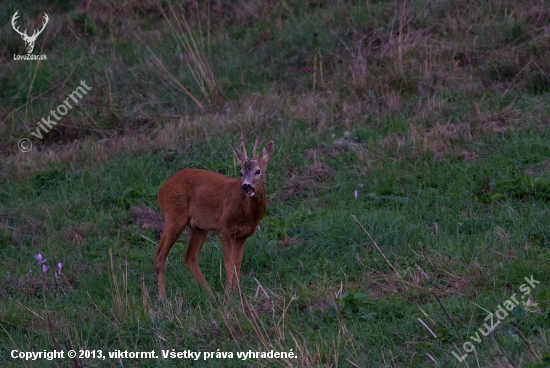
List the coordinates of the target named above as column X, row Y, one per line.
column 29, row 40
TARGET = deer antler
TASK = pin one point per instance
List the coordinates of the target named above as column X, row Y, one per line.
column 15, row 16
column 243, row 147
column 255, row 146
column 25, row 36
column 35, row 34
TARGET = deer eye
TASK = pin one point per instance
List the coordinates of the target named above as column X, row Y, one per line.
column 258, row 172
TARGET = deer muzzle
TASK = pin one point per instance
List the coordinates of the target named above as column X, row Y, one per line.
column 249, row 189
column 29, row 46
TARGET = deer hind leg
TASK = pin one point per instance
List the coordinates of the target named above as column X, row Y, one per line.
column 169, row 236
column 196, row 241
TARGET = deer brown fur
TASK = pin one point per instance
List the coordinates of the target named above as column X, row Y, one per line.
column 205, row 201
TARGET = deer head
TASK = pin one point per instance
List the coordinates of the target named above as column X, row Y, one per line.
column 29, row 40
column 252, row 172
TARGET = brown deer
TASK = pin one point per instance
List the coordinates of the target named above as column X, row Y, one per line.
column 205, row 201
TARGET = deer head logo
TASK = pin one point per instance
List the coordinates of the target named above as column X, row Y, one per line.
column 29, row 40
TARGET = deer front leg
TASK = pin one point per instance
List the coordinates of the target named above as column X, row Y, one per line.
column 232, row 256
column 228, row 249
column 237, row 260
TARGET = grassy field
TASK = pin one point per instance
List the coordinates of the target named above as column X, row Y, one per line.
column 427, row 121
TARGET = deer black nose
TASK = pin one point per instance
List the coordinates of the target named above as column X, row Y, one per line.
column 246, row 187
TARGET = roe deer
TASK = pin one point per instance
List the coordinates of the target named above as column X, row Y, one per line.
column 205, row 201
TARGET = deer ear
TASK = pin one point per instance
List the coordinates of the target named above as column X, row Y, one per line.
column 240, row 156
column 267, row 152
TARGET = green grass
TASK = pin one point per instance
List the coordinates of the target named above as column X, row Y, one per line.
column 434, row 112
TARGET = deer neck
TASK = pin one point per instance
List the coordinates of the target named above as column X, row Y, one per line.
column 257, row 203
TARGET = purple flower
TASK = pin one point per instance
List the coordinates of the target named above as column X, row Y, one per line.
column 355, row 193
column 38, row 257
column 59, row 266
column 45, row 268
